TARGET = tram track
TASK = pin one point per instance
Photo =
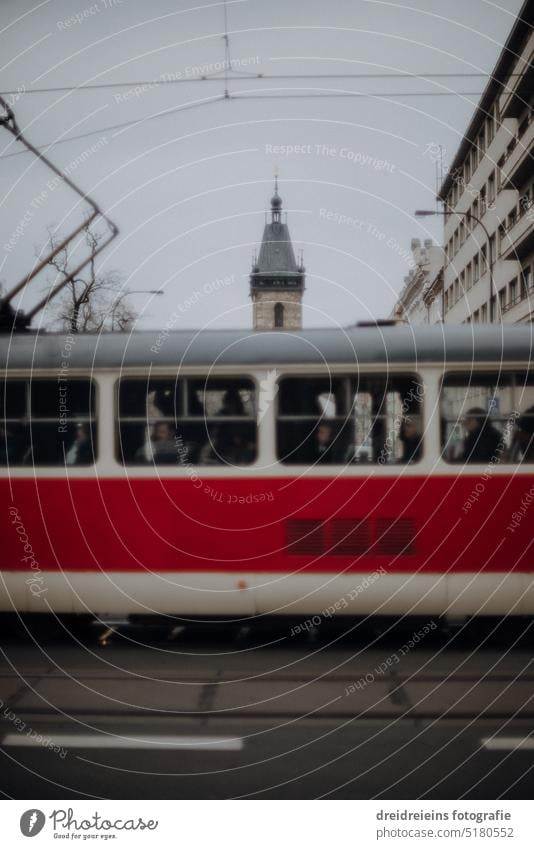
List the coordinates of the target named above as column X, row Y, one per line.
column 205, row 720
column 273, row 697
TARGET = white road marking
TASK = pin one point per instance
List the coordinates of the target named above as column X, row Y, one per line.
column 507, row 744
column 105, row 741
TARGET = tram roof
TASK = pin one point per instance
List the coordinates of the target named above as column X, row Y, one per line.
column 355, row 345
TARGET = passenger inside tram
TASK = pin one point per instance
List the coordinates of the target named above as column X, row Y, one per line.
column 482, row 439
column 161, row 447
column 228, row 444
column 80, row 451
column 410, row 435
column 326, row 446
column 9, row 446
column 525, row 436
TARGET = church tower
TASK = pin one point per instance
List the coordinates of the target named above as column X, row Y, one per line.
column 277, row 281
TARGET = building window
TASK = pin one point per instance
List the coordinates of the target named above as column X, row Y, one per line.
column 491, row 190
column 278, row 315
column 475, row 317
column 469, row 276
column 526, row 281
column 476, row 269
column 481, row 142
column 484, row 314
column 500, row 166
column 502, row 237
column 482, row 200
column 483, row 259
column 513, row 292
column 492, row 249
column 490, row 127
column 502, row 299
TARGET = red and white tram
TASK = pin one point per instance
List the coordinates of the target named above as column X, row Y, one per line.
column 376, row 470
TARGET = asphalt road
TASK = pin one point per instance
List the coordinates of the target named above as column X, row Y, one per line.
column 220, row 714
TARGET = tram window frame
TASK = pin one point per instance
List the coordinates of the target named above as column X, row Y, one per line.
column 346, row 421
column 186, row 450
column 507, row 422
column 28, row 421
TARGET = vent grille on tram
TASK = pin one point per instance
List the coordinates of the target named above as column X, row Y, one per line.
column 305, row 536
column 357, row 536
column 395, row 536
column 350, row 536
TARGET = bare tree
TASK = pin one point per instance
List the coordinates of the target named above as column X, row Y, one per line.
column 92, row 301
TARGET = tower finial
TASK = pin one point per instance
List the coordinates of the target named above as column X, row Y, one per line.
column 276, row 201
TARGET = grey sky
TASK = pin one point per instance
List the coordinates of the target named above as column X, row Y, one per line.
column 189, row 190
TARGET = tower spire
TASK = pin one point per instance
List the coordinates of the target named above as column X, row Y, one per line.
column 276, row 202
column 277, row 279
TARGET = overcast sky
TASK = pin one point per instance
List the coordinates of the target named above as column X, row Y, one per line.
column 189, row 189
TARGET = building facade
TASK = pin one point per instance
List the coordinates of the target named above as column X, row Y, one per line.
column 277, row 280
column 421, row 299
column 488, row 195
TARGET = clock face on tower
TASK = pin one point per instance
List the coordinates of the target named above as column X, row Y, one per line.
column 276, row 283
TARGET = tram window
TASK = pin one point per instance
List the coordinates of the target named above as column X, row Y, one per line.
column 364, row 419
column 488, row 418
column 73, row 446
column 228, row 398
column 148, row 400
column 77, row 395
column 12, row 416
column 187, row 421
column 13, row 399
column 47, row 422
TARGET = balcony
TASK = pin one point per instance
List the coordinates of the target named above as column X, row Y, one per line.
column 518, row 82
column 518, row 240
column 521, row 308
column 519, row 162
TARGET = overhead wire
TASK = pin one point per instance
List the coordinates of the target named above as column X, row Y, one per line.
column 207, row 78
column 246, row 96
column 229, row 73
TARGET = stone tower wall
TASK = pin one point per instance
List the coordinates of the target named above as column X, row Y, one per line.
column 263, row 304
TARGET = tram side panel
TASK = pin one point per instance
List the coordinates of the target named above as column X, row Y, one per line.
column 240, row 546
